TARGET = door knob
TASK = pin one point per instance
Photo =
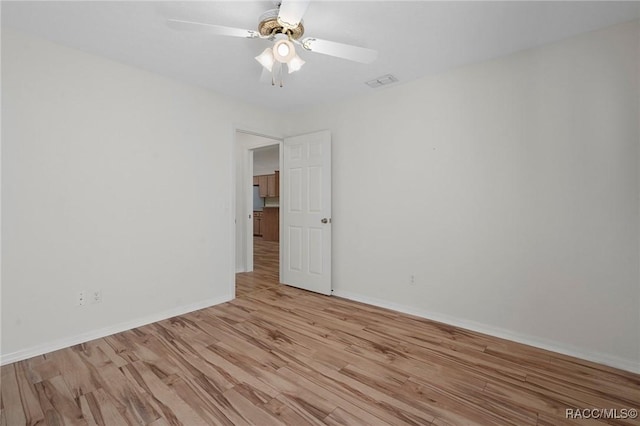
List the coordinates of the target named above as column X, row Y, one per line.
column 324, row 220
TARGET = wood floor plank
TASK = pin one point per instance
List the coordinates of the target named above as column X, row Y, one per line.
column 40, row 368
column 320, row 385
column 314, row 332
column 83, row 377
column 243, row 373
column 29, row 400
column 160, row 422
column 252, row 413
column 130, row 399
column 169, row 403
column 100, row 350
column 301, row 410
column 319, row 377
column 90, row 409
column 190, row 364
column 61, row 399
column 402, row 412
column 279, row 355
column 14, row 409
column 343, row 417
column 286, row 414
column 104, row 410
column 465, row 405
column 206, row 405
column 51, row 415
column 541, row 403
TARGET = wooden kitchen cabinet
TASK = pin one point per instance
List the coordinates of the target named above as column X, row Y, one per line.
column 264, row 186
column 270, row 225
column 257, row 223
column 269, row 184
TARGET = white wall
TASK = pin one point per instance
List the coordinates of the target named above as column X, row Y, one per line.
column 266, row 160
column 113, row 179
column 508, row 188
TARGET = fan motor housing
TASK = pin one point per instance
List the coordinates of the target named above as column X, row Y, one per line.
column 269, row 26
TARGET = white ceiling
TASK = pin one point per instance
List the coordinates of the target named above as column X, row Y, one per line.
column 414, row 39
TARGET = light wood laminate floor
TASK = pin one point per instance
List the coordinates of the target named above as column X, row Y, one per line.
column 277, row 355
column 265, row 273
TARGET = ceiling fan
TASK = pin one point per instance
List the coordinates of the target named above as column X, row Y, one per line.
column 283, row 26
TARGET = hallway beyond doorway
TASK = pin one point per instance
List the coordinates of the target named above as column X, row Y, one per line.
column 266, row 265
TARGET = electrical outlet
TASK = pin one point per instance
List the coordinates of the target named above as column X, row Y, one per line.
column 81, row 298
column 412, row 280
column 96, row 296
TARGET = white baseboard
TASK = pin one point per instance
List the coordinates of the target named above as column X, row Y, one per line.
column 107, row 331
column 554, row 346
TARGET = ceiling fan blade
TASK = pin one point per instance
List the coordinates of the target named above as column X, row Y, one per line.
column 291, row 12
column 178, row 24
column 340, row 50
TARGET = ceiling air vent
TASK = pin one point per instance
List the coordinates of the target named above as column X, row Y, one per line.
column 381, row 81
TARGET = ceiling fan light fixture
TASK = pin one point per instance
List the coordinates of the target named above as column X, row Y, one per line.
column 295, row 64
column 283, row 26
column 283, row 51
column 266, row 59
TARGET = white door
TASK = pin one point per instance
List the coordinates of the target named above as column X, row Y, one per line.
column 305, row 255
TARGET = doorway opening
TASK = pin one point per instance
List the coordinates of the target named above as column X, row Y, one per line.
column 257, row 212
column 304, row 219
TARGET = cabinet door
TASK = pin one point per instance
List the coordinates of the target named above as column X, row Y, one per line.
column 271, row 186
column 256, row 225
column 271, row 224
column 264, row 190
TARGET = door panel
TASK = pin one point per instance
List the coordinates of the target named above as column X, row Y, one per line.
column 306, row 179
column 295, row 248
column 295, row 190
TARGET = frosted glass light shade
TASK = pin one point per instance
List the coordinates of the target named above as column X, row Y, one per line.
column 266, row 59
column 295, row 64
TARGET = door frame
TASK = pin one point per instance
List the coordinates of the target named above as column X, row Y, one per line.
column 243, row 158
